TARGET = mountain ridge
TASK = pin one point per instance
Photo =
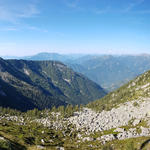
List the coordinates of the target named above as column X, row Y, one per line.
column 46, row 83
column 109, row 71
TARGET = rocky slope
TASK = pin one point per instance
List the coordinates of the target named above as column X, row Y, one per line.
column 124, row 113
column 42, row 84
column 126, row 121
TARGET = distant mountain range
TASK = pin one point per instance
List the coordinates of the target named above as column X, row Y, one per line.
column 136, row 90
column 42, row 84
column 48, row 56
column 109, row 71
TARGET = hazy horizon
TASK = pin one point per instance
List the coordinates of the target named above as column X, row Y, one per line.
column 82, row 54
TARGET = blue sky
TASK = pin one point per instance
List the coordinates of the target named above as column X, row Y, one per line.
column 74, row 26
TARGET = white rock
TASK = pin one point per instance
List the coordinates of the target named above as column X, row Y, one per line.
column 136, row 121
column 2, row 138
column 119, row 130
column 42, row 140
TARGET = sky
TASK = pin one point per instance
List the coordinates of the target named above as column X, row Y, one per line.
column 28, row 27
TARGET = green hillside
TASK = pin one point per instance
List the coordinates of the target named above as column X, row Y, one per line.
column 43, row 84
column 136, row 89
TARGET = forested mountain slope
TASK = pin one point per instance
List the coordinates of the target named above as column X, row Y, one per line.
column 109, row 71
column 43, row 84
